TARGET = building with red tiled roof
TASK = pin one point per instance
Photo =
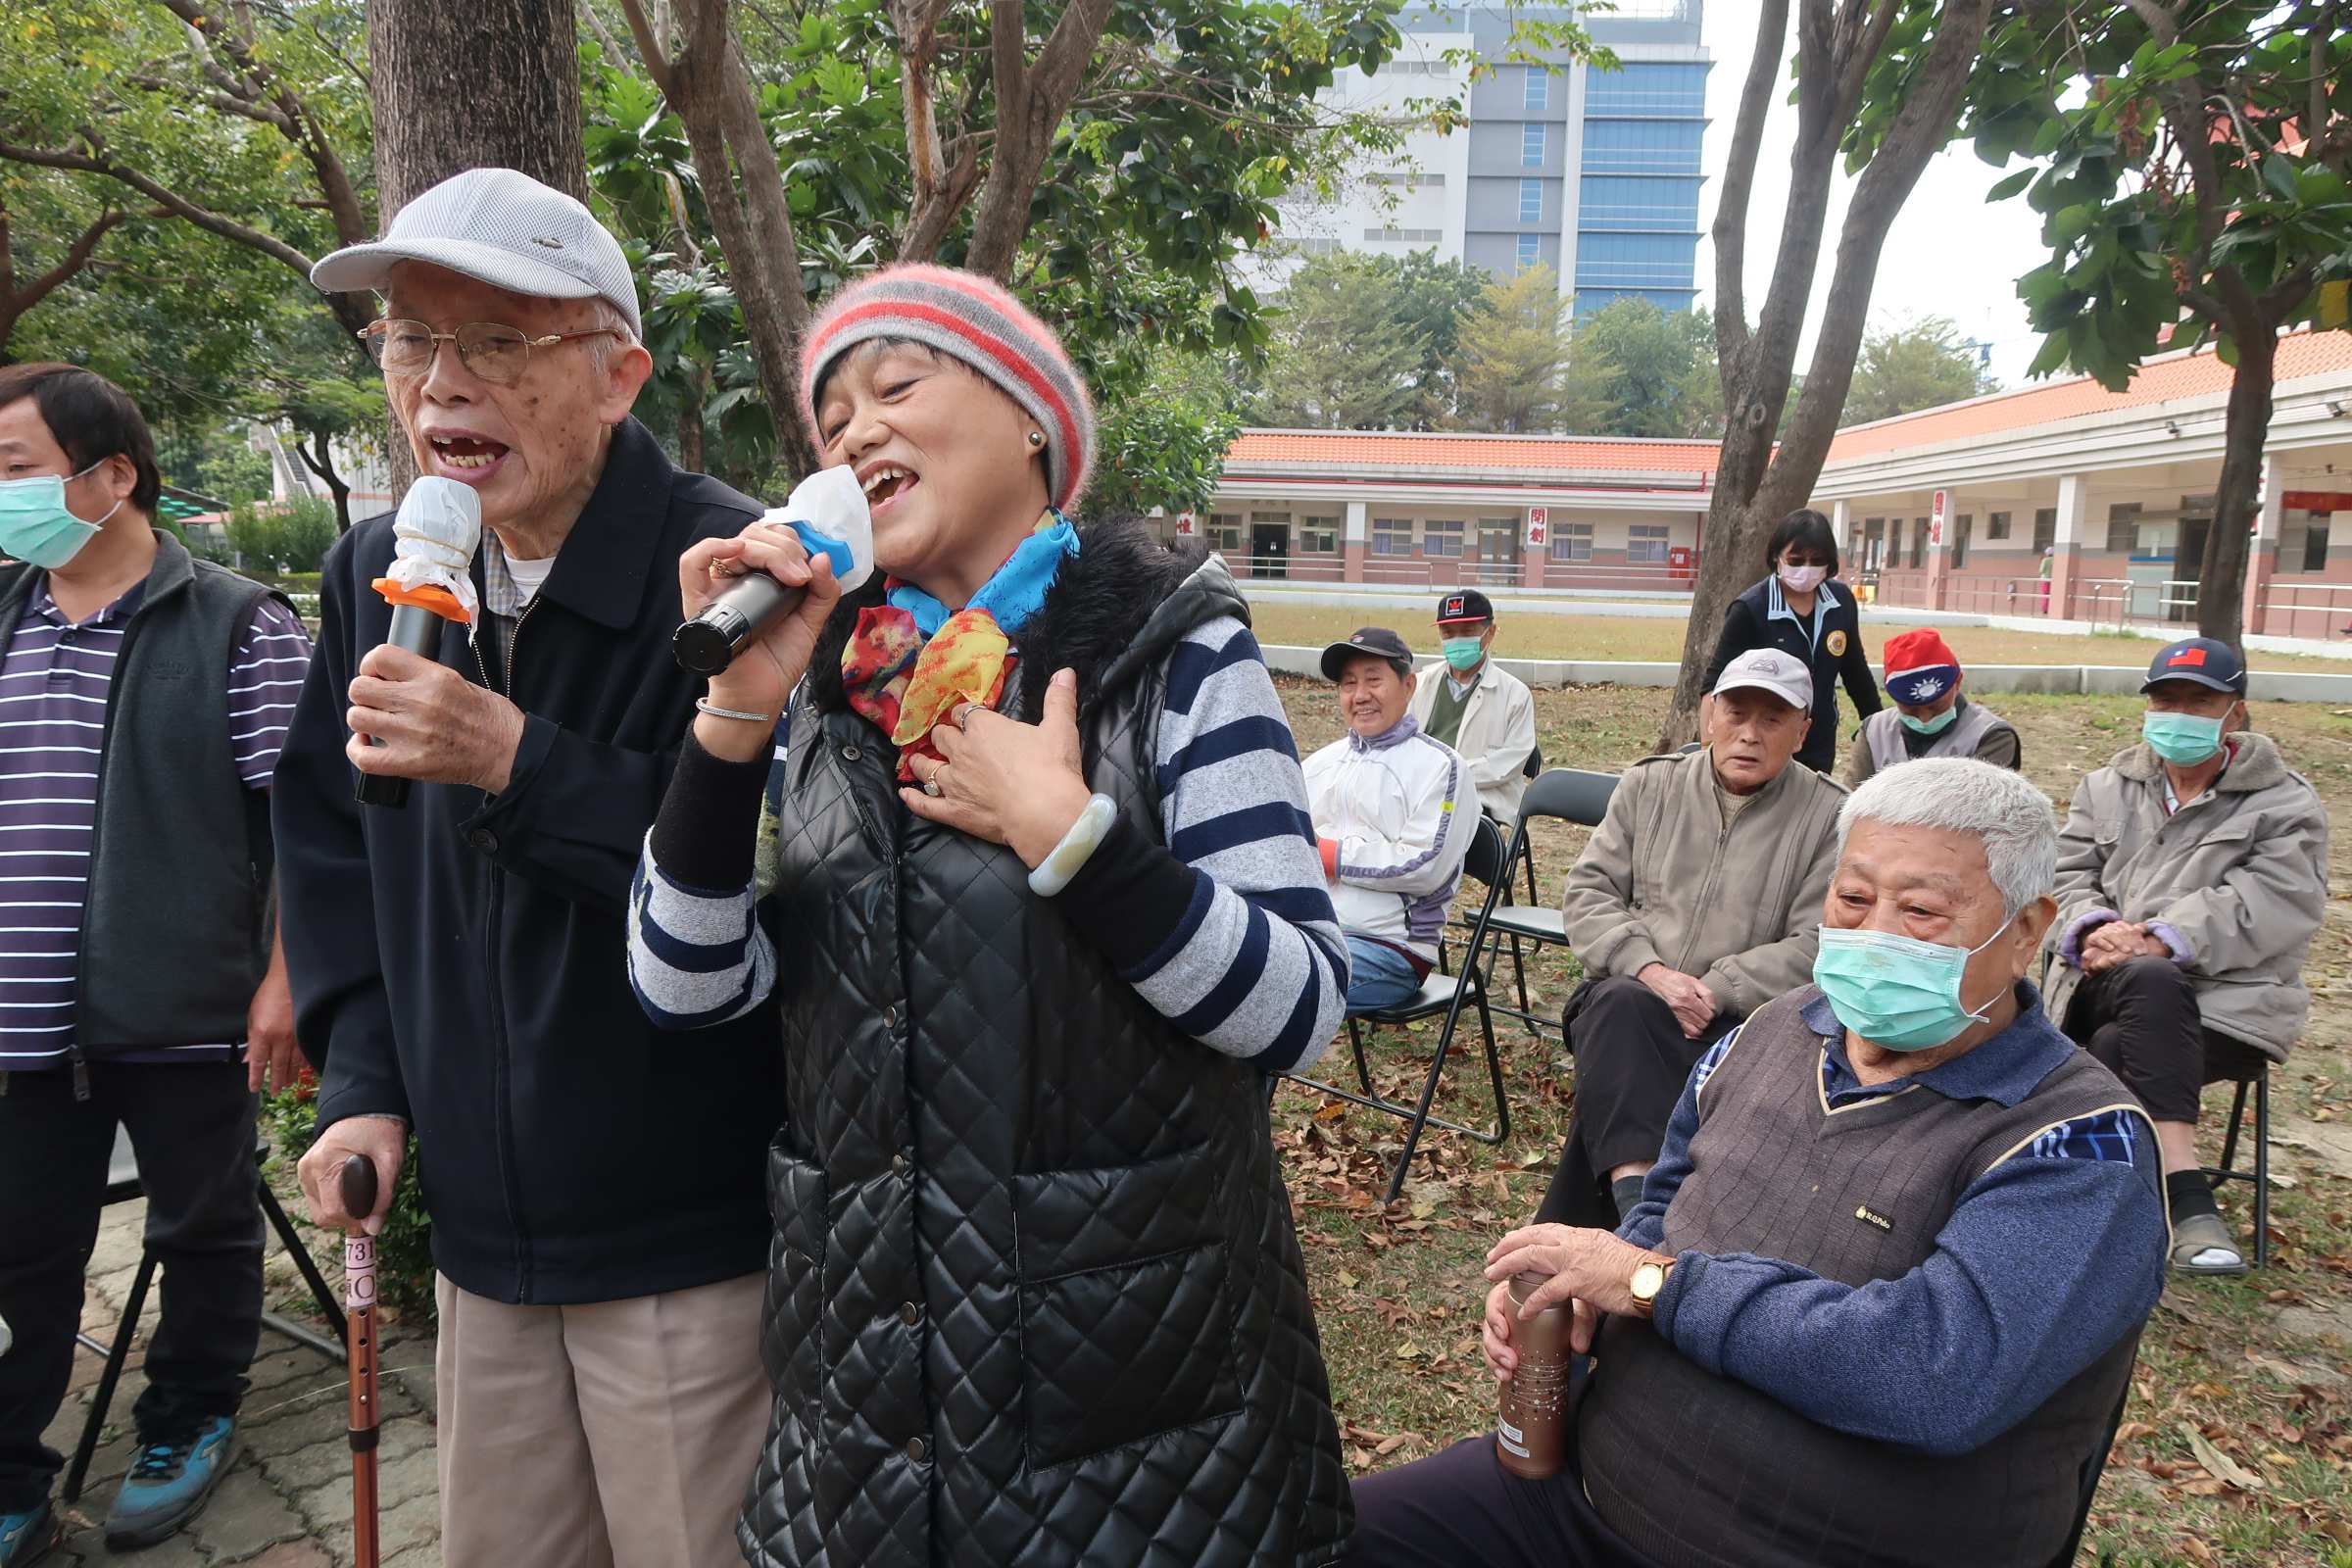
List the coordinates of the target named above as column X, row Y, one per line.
column 1953, row 508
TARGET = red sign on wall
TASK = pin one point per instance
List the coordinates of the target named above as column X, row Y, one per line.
column 2317, row 500
column 1539, row 525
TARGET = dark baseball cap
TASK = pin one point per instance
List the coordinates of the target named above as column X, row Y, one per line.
column 1464, row 603
column 2200, row 660
column 1378, row 641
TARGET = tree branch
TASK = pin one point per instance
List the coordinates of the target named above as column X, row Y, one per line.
column 1738, row 184
column 649, row 45
column 1031, row 101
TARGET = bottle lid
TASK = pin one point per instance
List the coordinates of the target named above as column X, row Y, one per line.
column 1525, row 1285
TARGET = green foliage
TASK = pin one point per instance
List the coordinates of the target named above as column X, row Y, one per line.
column 2139, row 242
column 404, row 1251
column 1514, row 350
column 1346, row 359
column 289, row 537
column 1635, row 371
column 1916, row 365
column 1163, row 440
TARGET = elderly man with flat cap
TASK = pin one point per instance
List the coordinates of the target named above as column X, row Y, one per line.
column 460, row 963
column 2191, row 877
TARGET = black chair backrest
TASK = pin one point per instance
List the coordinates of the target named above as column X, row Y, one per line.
column 1687, row 747
column 1571, row 794
column 1485, row 861
column 1535, row 762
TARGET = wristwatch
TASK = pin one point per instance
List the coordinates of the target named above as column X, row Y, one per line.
column 1648, row 1280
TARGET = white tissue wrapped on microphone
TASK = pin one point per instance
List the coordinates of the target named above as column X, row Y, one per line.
column 832, row 502
column 438, row 529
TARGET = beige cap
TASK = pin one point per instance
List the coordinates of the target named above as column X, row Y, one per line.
column 1771, row 670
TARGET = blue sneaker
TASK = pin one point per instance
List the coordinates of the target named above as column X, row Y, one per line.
column 169, row 1483
column 25, row 1537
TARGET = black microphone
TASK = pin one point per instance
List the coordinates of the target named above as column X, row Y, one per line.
column 828, row 510
column 438, row 529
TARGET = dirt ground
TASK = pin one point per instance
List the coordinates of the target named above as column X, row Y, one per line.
column 2237, row 1442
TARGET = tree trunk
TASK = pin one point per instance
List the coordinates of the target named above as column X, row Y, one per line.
column 322, row 463
column 481, row 83
column 2221, row 577
column 690, row 421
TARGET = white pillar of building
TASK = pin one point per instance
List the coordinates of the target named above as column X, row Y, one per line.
column 1352, row 543
column 2262, row 549
column 2066, row 543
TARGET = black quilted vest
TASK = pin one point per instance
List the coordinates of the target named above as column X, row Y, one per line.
column 1034, row 1295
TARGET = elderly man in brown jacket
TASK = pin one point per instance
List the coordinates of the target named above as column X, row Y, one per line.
column 2191, row 876
column 1696, row 900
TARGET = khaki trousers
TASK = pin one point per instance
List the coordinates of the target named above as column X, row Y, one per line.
column 611, row 1435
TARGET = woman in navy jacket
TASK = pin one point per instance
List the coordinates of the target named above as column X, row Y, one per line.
column 1799, row 610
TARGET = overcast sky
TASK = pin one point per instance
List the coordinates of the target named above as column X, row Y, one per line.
column 1949, row 253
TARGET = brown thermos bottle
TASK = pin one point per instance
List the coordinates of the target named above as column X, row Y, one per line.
column 1531, row 1429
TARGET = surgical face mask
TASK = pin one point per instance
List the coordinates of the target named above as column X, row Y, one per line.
column 1802, row 579
column 2182, row 739
column 34, row 524
column 1930, row 726
column 1463, row 653
column 1896, row 991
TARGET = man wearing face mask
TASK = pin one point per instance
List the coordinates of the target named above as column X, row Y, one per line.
column 1929, row 718
column 1471, row 704
column 1881, row 1296
column 146, row 699
column 2192, row 878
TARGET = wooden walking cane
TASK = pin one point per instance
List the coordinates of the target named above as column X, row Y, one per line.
column 357, row 1180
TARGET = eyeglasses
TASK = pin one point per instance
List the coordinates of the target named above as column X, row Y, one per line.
column 499, row 355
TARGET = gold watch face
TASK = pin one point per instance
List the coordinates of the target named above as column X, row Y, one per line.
column 1648, row 1280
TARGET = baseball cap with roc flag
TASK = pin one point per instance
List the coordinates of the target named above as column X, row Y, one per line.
column 1920, row 668
column 2201, row 660
column 498, row 227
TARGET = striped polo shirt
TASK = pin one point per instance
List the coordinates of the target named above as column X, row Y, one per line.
column 53, row 694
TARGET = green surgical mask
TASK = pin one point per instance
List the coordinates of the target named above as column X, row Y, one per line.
column 34, row 525
column 1895, row 990
column 1930, row 726
column 1463, row 653
column 2182, row 739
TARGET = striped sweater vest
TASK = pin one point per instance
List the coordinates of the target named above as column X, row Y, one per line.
column 1702, row 1471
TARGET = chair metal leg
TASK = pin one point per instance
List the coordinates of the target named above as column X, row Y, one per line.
column 2262, row 1170
column 308, row 1267
column 1364, row 1069
column 104, row 1395
column 2237, row 1114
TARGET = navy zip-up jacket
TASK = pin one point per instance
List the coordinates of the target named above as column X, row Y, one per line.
column 463, row 962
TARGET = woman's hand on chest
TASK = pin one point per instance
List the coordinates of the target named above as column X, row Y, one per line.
column 1016, row 784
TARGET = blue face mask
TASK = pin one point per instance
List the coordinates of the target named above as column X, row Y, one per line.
column 1896, row 991
column 1463, row 653
column 34, row 524
column 2182, row 739
column 1930, row 726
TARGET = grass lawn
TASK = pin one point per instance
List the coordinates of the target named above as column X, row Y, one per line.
column 2237, row 1442
column 1661, row 639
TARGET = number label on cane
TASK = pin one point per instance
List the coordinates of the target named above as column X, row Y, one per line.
column 359, row 1273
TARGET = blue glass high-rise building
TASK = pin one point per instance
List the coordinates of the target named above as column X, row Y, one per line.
column 1594, row 173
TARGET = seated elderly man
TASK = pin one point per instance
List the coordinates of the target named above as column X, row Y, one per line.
column 2191, row 876
column 1394, row 811
column 1928, row 716
column 1881, row 1293
column 1478, row 707
column 1693, row 905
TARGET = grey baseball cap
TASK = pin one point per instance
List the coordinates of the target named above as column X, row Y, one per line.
column 502, row 227
column 1768, row 669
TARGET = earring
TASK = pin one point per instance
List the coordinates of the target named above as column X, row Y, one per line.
column 1037, row 438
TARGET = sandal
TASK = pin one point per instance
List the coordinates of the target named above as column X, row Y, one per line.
column 2203, row 1244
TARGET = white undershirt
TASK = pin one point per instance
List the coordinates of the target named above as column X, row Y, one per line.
column 530, row 576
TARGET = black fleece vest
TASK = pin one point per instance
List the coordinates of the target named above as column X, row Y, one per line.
column 1035, row 1296
column 1702, row 1471
column 175, row 927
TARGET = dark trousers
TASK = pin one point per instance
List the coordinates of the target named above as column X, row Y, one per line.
column 1631, row 1060
column 1462, row 1509
column 2141, row 1020
column 192, row 1126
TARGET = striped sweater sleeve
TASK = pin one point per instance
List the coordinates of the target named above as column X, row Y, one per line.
column 265, row 677
column 1223, row 925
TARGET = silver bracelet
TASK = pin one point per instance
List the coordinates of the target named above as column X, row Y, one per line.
column 1066, row 858
column 704, row 704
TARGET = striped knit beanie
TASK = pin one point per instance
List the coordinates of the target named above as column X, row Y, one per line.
column 974, row 320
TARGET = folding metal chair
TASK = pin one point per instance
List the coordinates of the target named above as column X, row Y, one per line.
column 1522, row 854
column 1441, row 993
column 123, row 1184
column 2260, row 1175
column 1570, row 794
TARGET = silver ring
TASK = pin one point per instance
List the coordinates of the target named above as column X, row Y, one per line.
column 931, row 788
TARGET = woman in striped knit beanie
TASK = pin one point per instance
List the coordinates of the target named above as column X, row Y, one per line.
column 1035, row 896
